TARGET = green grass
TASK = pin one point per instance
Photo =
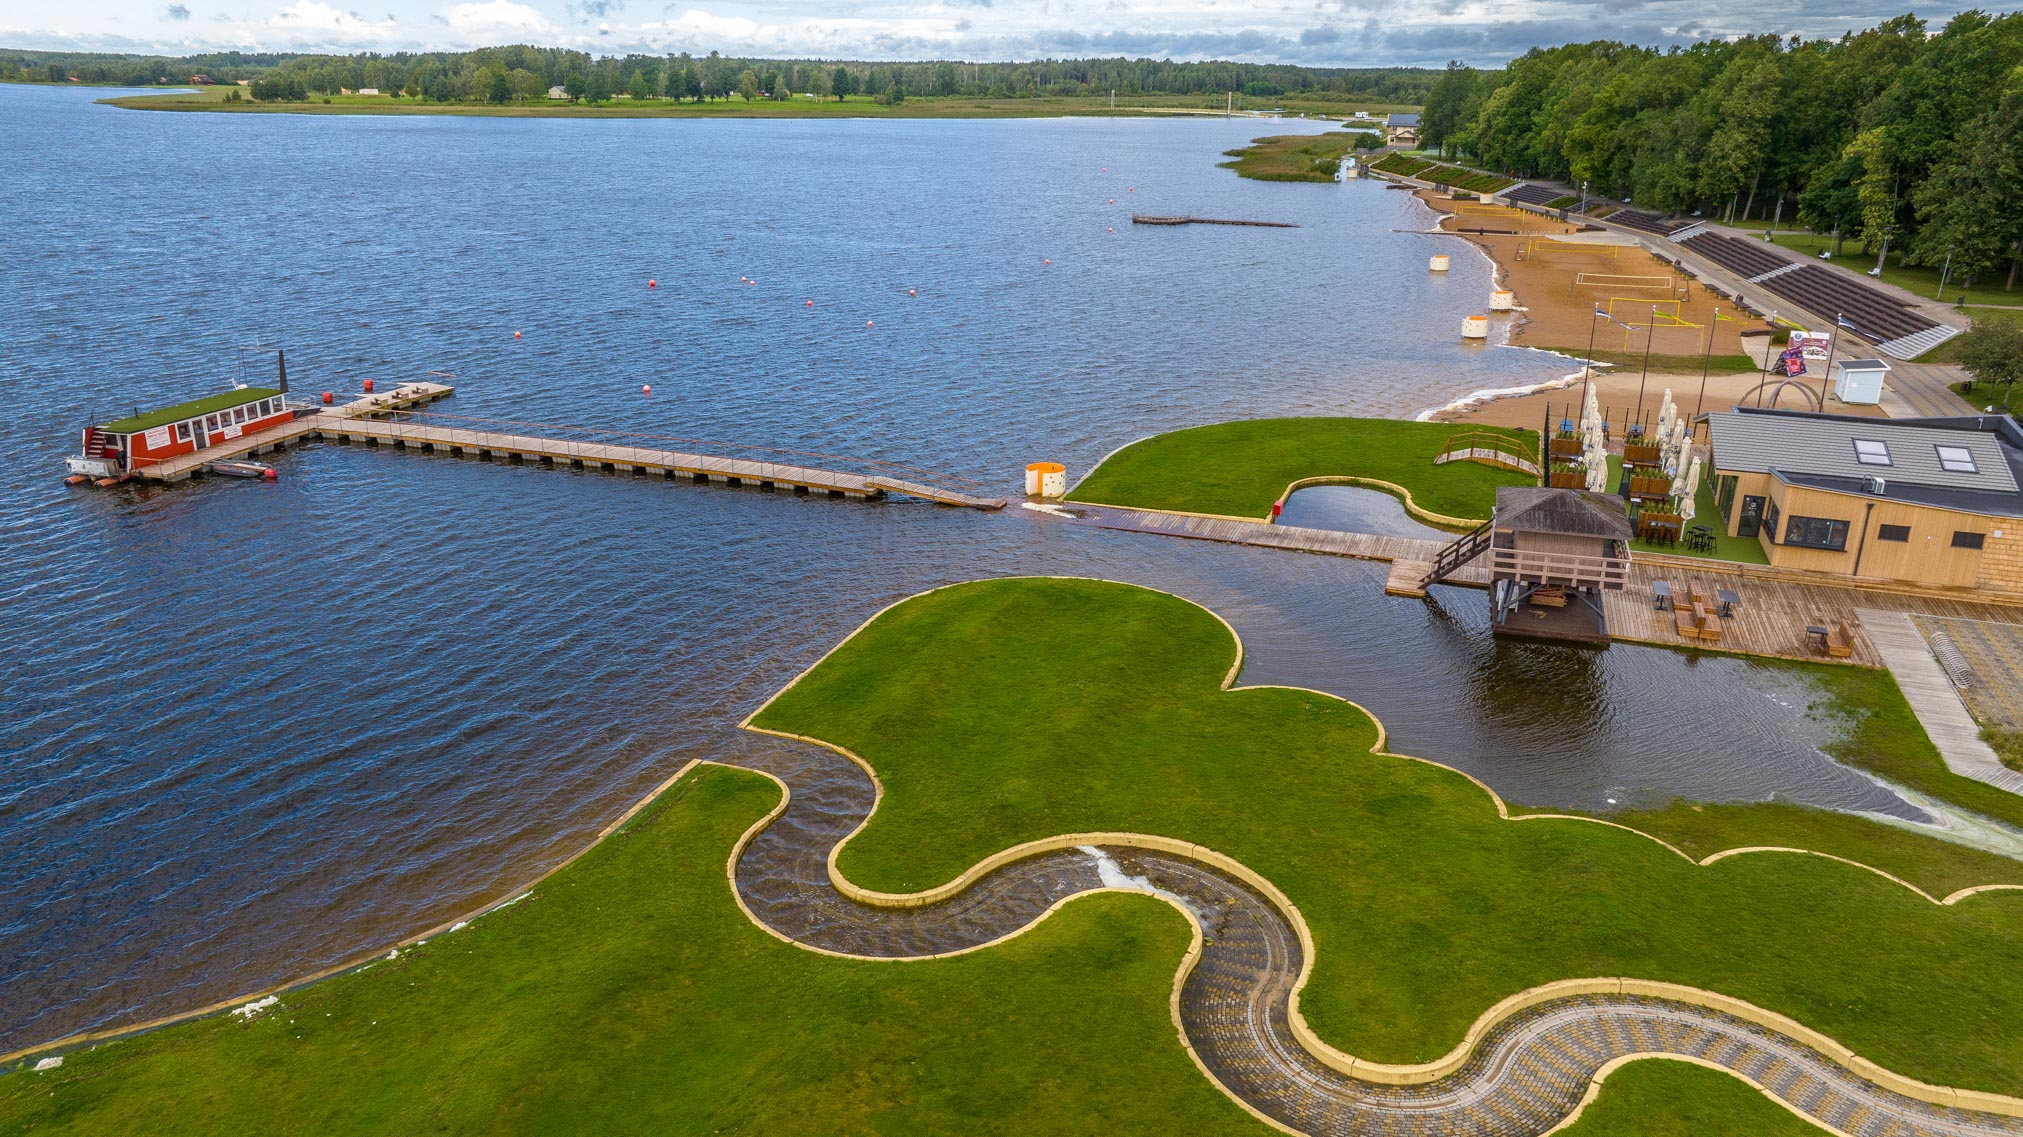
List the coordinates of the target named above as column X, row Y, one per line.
column 1291, row 157
column 1006, row 711
column 629, row 994
column 1660, row 364
column 1746, row 550
column 1883, row 736
column 1240, row 468
column 1917, row 279
column 1660, row 1098
column 2006, row 743
column 856, row 106
column 1949, row 352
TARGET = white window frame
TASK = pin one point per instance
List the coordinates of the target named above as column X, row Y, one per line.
column 1878, row 457
column 1960, row 454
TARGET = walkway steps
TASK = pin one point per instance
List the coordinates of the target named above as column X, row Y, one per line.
column 1936, row 701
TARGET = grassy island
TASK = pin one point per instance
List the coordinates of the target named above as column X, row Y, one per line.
column 1296, row 157
column 1239, row 468
column 1007, row 711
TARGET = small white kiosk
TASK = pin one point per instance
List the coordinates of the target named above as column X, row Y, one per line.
column 1860, row 381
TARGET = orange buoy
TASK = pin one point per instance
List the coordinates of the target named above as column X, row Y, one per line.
column 328, row 398
column 653, row 284
column 516, row 335
column 75, row 480
column 368, row 386
column 911, row 292
column 106, row 483
column 646, row 388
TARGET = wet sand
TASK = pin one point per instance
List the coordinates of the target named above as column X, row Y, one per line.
column 1617, row 392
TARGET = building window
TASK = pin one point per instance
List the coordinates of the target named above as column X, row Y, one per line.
column 1893, row 533
column 1869, row 452
column 211, row 423
column 182, row 432
column 1957, row 459
column 1965, row 540
column 1816, row 533
column 238, row 414
column 1770, row 519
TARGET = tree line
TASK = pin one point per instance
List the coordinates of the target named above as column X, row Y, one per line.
column 1909, row 140
column 523, row 71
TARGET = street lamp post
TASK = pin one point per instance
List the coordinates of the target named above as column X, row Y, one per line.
column 1650, row 333
column 1706, row 364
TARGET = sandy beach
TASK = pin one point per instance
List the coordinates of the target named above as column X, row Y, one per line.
column 1617, row 390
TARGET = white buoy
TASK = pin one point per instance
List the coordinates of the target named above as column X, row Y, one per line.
column 1438, row 263
column 1475, row 328
column 1046, row 479
column 1502, row 300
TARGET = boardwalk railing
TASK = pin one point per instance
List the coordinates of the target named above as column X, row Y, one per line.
column 1560, row 568
column 1490, row 449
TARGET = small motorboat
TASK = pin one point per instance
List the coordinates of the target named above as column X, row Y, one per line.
column 232, row 468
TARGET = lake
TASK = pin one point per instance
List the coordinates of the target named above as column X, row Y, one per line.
column 254, row 729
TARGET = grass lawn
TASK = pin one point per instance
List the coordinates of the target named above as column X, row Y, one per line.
column 1949, row 352
column 1917, row 279
column 1747, row 550
column 1660, row 1098
column 1005, row 711
column 856, row 106
column 629, row 994
column 1240, row 468
column 1293, row 157
column 1633, row 361
column 2001, row 396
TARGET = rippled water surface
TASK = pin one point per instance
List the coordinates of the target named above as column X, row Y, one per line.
column 253, row 729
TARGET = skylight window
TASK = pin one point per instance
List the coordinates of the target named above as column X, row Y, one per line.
column 1869, row 452
column 1957, row 459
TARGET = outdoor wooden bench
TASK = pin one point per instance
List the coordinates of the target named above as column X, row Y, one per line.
column 1840, row 640
column 1682, row 618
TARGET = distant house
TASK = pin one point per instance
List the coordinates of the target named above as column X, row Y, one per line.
column 243, row 82
column 200, row 80
column 346, row 91
column 557, row 93
column 1401, row 130
column 368, row 90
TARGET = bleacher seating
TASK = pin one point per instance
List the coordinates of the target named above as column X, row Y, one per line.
column 1648, row 222
column 1533, row 194
column 1746, row 259
column 1822, row 291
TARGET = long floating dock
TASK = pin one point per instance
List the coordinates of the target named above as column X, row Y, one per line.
column 360, row 421
column 1149, row 219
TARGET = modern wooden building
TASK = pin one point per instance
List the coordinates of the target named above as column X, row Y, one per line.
column 1930, row 501
column 1552, row 553
column 128, row 445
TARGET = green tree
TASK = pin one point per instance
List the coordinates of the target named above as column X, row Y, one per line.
column 526, row 84
column 1875, row 189
column 497, row 88
column 638, row 88
column 841, row 84
column 599, row 88
column 748, row 85
column 1970, row 210
column 1737, row 152
column 576, row 86
column 1992, row 352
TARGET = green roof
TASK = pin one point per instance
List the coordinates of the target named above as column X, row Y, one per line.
column 195, row 408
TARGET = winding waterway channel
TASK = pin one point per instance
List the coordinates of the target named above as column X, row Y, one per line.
column 251, row 730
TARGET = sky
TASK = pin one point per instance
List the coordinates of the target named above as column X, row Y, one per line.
column 1350, row 33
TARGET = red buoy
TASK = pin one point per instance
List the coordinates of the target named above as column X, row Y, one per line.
column 328, row 398
column 1046, row 262
column 646, row 388
column 516, row 335
column 653, row 284
column 368, row 386
column 867, row 323
column 811, row 303
column 911, row 292
column 270, row 474
column 1113, row 228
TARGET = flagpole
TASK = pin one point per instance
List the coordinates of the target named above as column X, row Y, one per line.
column 1832, row 343
column 1588, row 371
column 1706, row 363
column 1763, row 380
column 1650, row 333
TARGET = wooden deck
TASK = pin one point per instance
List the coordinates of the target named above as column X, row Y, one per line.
column 1771, row 620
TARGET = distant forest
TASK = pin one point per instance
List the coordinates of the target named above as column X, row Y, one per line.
column 500, row 74
column 1908, row 140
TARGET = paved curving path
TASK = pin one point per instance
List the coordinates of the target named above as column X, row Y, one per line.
column 1528, row 1074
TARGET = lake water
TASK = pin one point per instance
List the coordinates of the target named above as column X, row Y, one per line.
column 251, row 730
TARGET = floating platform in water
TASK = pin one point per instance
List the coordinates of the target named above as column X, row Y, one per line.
column 1149, row 219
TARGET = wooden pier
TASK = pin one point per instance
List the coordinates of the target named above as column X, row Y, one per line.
column 1149, row 219
column 361, row 422
column 1772, row 619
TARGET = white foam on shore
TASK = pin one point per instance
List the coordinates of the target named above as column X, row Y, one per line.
column 256, row 1006
column 1491, row 394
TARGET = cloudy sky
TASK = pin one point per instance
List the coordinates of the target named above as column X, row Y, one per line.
column 1322, row 32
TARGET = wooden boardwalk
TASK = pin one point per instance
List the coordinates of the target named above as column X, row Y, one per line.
column 360, row 421
column 1771, row 620
column 1148, row 219
column 1936, row 701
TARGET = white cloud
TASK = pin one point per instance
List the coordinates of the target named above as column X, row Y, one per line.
column 496, row 21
